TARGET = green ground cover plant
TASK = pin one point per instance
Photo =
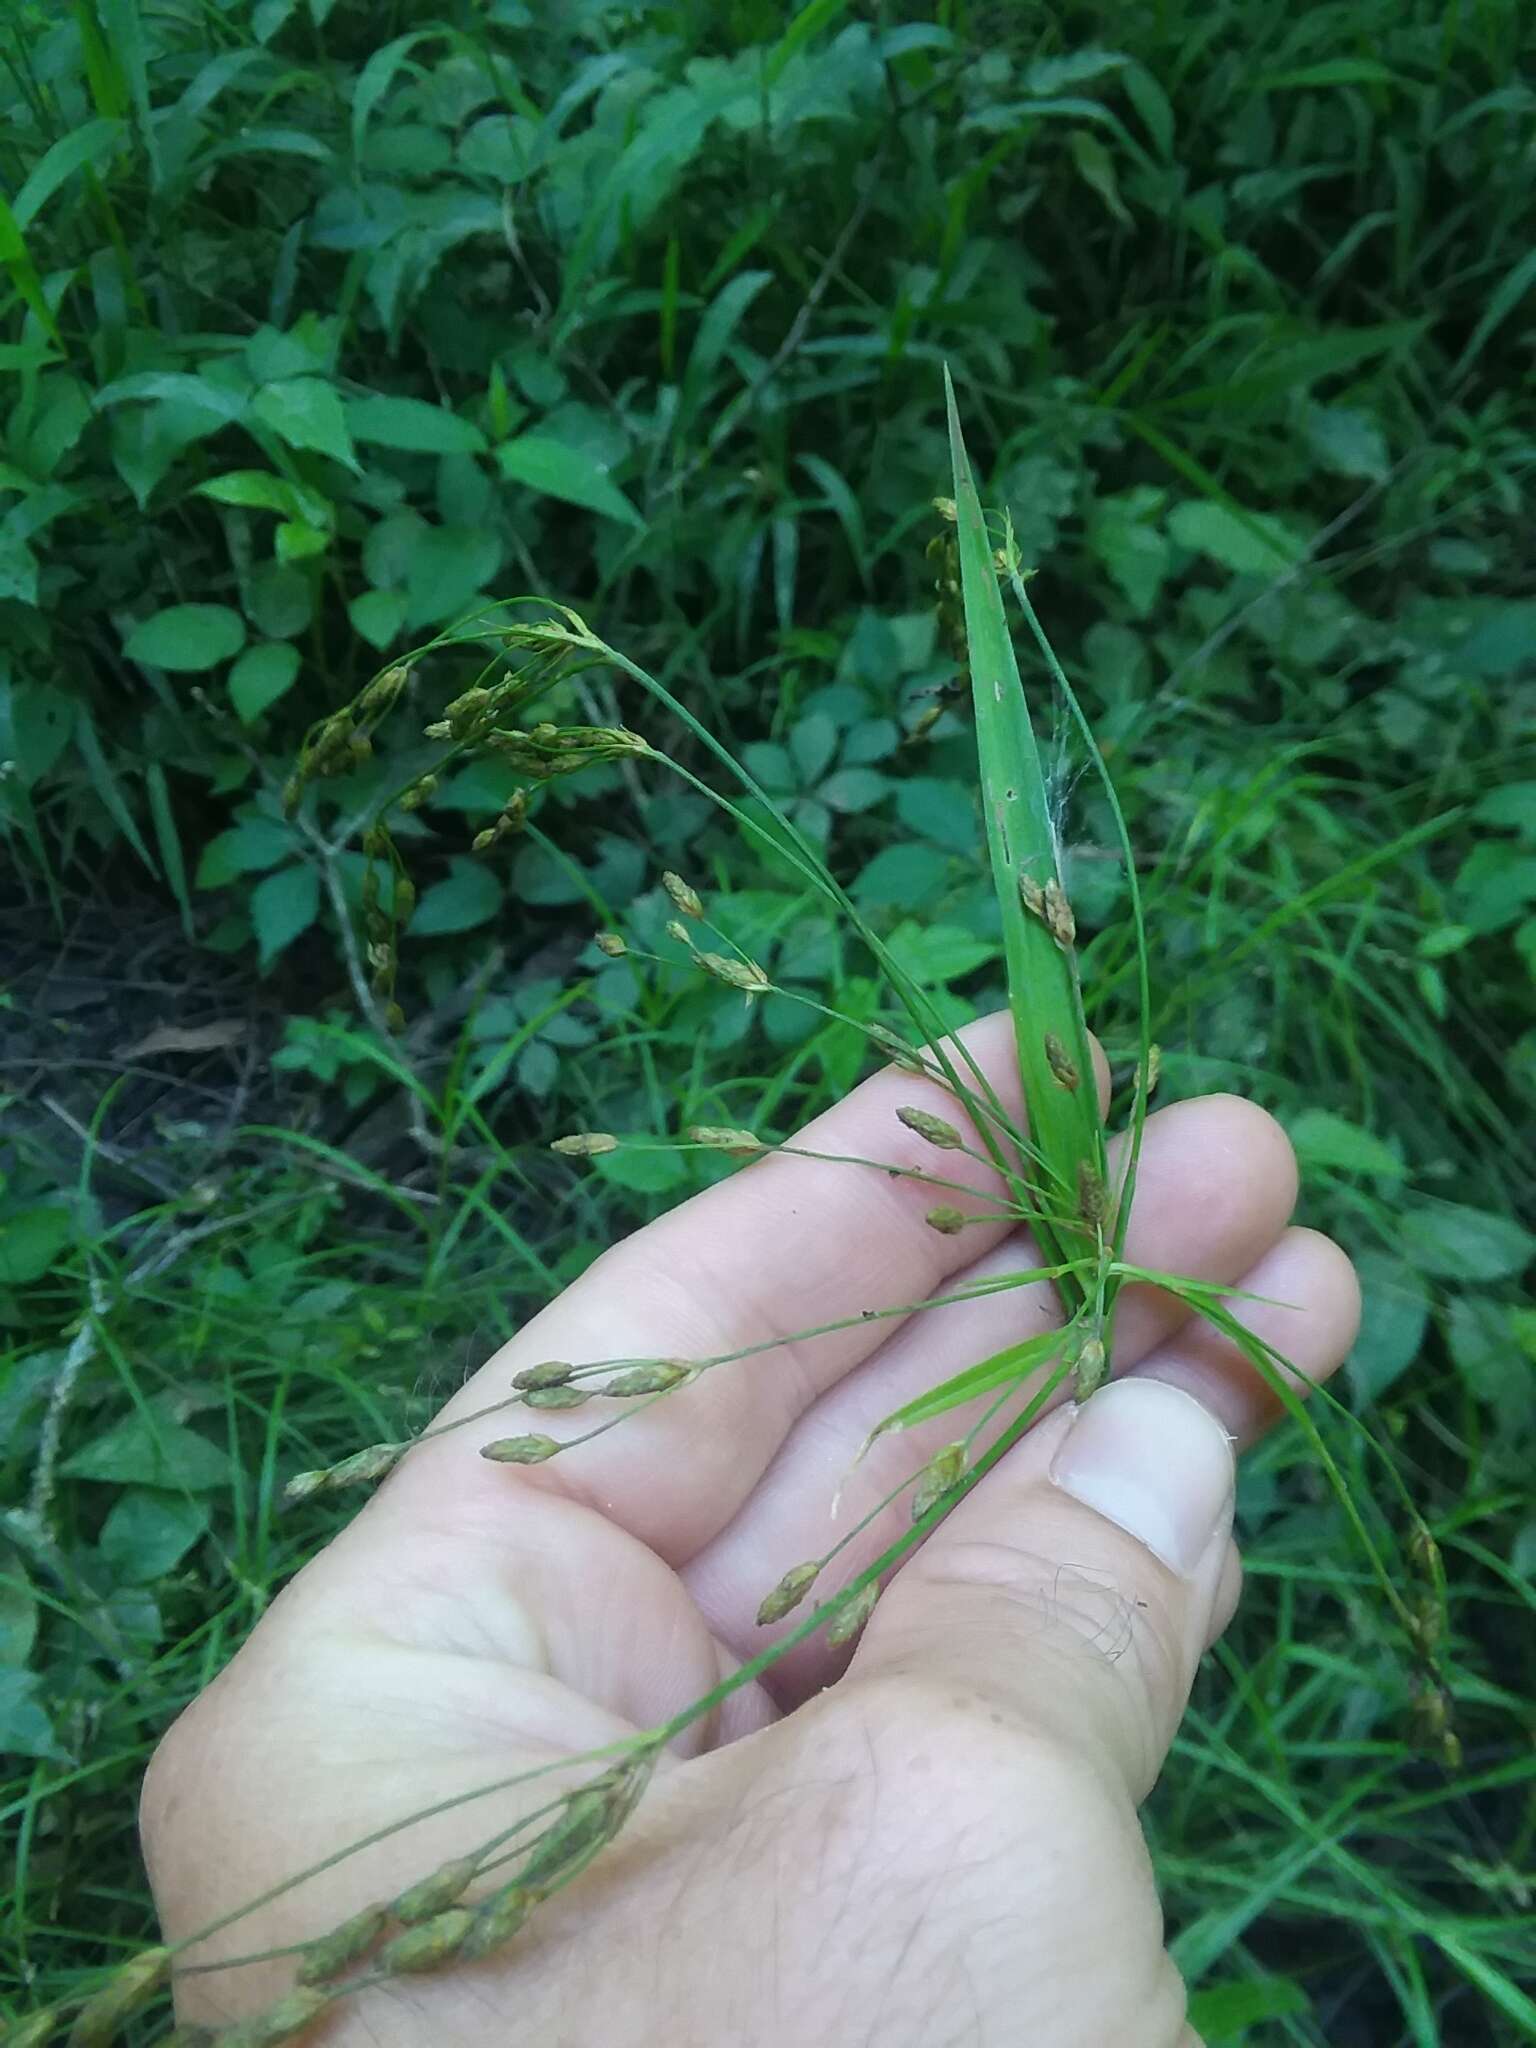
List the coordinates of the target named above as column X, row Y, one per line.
column 324, row 331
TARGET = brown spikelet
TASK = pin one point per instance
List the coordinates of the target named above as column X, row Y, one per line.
column 1049, row 903
column 128, row 1990
column 333, row 1952
column 585, row 1144
column 788, row 1593
column 743, row 974
column 686, row 899
column 383, row 690
column 555, row 1397
column 592, row 1817
column 943, row 1471
column 496, row 1920
column 724, row 1138
column 1090, row 1368
column 849, row 1620
column 948, row 1221
column 520, row 1450
column 1064, row 1069
column 292, row 2016
column 904, row 1055
column 1059, row 921
column 611, row 944
column 573, row 1840
column 433, row 1894
column 554, row 1372
column 931, row 1127
column 374, row 1461
column 1092, row 1201
column 659, row 1376
column 426, row 1947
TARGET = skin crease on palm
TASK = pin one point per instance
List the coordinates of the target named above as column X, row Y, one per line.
column 931, row 1838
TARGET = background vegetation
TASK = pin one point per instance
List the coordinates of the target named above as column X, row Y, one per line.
column 322, row 321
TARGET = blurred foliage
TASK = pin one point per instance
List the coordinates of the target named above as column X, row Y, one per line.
column 323, row 326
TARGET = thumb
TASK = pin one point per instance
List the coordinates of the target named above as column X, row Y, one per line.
column 1078, row 1584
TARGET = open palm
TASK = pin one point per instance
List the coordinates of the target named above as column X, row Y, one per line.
column 937, row 1845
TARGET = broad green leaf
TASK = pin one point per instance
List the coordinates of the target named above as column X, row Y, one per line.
column 1347, row 441
column 296, row 540
column 282, row 906
column 854, row 789
column 148, row 1533
column 1333, row 1143
column 806, row 24
column 937, row 954
column 246, row 848
column 450, row 566
column 812, row 744
column 25, row 1729
column 31, row 1241
column 378, row 616
column 149, row 1448
column 1096, row 168
column 188, row 637
column 1494, row 886
column 1395, row 1315
column 1455, row 1242
column 412, row 425
column 17, row 259
column 944, row 812
column 1135, row 550
column 1513, row 806
column 262, row 675
column 278, row 600
column 260, row 490
column 71, row 153
column 902, row 876
column 646, row 1173
column 376, row 77
column 175, row 386
column 560, row 472
column 18, row 567
column 1255, row 545
column 470, row 895
column 41, row 721
column 1223, row 2013
column 18, row 1613
column 306, row 413
column 1503, row 641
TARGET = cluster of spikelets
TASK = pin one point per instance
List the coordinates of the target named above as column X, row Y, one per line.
column 449, row 1916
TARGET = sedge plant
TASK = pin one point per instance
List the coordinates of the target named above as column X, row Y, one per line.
column 1054, row 1168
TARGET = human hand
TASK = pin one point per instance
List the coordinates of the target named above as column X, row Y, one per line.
column 937, row 1845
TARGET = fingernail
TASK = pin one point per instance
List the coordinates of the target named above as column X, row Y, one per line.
column 1150, row 1458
